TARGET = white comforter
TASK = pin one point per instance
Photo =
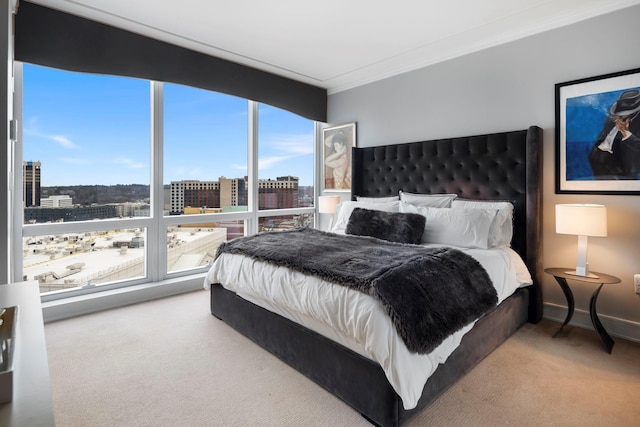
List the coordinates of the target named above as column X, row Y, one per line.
column 353, row 319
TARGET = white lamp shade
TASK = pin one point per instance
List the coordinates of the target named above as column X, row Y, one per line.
column 581, row 220
column 327, row 204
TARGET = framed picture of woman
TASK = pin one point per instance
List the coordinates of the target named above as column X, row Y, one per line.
column 337, row 142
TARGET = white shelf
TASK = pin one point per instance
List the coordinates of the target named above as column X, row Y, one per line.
column 32, row 404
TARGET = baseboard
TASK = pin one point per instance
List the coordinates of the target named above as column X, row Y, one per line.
column 75, row 306
column 616, row 327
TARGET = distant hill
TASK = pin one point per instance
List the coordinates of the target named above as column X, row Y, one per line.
column 121, row 193
column 100, row 194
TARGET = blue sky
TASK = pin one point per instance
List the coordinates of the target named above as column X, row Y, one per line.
column 91, row 129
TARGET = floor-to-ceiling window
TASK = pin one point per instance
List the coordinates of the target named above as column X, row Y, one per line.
column 285, row 169
column 205, row 163
column 126, row 181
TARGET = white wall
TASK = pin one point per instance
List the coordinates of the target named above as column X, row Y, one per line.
column 511, row 87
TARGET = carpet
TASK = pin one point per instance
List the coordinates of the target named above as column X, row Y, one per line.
column 168, row 362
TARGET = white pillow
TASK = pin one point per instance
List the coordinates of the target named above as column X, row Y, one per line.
column 428, row 200
column 344, row 209
column 523, row 276
column 378, row 199
column 501, row 230
column 467, row 228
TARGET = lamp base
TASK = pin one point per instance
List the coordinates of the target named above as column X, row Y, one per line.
column 588, row 275
column 582, row 266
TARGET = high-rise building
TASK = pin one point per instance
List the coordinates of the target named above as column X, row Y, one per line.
column 233, row 192
column 63, row 201
column 30, row 184
column 280, row 193
column 195, row 194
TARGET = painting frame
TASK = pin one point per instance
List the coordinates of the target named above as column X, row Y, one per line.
column 592, row 155
column 336, row 159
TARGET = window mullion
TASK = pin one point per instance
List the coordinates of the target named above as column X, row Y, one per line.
column 156, row 250
column 318, row 166
column 252, row 224
column 16, row 260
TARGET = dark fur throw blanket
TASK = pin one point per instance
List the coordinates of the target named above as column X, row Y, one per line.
column 429, row 293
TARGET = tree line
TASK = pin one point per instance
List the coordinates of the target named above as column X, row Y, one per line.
column 100, row 194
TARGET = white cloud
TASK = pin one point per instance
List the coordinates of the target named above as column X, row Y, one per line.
column 287, row 147
column 269, row 162
column 294, row 144
column 63, row 141
column 75, row 160
column 264, row 162
column 123, row 161
column 239, row 167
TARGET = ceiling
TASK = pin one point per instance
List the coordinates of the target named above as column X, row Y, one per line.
column 337, row 44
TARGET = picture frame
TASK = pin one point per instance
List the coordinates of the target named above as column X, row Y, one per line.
column 598, row 134
column 337, row 142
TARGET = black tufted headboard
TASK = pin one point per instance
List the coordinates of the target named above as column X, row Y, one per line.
column 500, row 166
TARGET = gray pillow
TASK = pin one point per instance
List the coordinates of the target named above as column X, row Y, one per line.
column 391, row 226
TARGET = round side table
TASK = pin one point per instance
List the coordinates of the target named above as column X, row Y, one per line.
column 561, row 275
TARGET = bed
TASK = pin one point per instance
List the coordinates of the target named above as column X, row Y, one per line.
column 503, row 167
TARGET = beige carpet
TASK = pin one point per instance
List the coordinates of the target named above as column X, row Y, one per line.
column 170, row 363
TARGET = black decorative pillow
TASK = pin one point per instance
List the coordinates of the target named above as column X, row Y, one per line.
column 391, row 226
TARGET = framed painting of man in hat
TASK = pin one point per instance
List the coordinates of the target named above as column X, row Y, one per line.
column 598, row 134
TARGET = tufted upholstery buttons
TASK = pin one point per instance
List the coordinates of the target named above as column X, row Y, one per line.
column 488, row 167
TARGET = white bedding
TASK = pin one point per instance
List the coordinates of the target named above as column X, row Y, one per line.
column 353, row 319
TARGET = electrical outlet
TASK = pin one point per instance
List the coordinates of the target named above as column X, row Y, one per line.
column 636, row 283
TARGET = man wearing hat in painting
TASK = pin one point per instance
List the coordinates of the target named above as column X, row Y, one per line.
column 616, row 153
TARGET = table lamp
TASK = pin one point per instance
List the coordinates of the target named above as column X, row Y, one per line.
column 327, row 205
column 582, row 220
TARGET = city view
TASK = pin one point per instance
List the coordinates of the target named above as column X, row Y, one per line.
column 88, row 259
column 87, row 157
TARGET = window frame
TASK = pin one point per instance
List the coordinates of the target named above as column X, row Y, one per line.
column 156, row 224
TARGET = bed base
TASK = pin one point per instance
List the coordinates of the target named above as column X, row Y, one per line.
column 358, row 381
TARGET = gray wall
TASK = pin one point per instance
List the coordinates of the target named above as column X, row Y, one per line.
column 510, row 87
